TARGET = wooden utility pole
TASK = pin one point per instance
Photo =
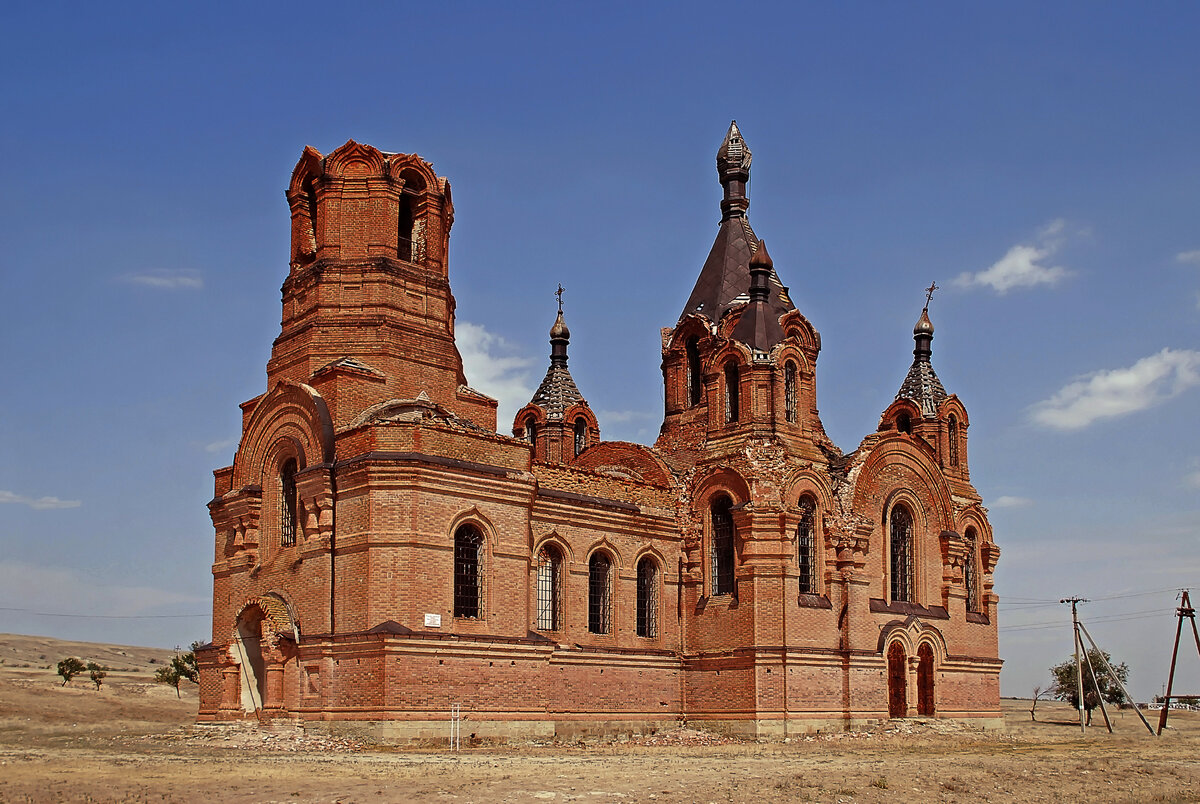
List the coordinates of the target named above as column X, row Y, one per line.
column 1117, row 679
column 1075, row 601
column 1185, row 610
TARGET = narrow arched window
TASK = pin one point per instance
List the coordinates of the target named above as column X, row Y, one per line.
column 806, row 546
column 970, row 577
column 789, row 391
column 600, row 594
column 531, row 430
column 904, row 423
column 404, row 229
column 468, row 571
column 410, row 227
column 722, row 546
column 731, row 393
column 901, row 554
column 310, row 203
column 952, row 437
column 287, row 503
column 647, row 598
column 580, row 435
column 549, row 588
column 694, row 384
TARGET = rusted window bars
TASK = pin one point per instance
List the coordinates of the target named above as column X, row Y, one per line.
column 287, row 503
column 647, row 598
column 789, row 391
column 549, row 589
column 970, row 579
column 600, row 594
column 722, row 547
column 901, row 565
column 468, row 558
column 806, row 556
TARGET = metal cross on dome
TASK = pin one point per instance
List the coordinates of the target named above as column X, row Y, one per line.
column 559, row 294
column 928, row 293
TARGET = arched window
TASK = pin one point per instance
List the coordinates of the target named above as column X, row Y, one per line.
column 531, row 431
column 952, row 437
column 404, row 229
column 904, row 423
column 722, row 546
column 468, row 572
column 901, row 554
column 287, row 503
column 695, row 385
column 410, row 227
column 580, row 435
column 731, row 392
column 310, row 203
column 600, row 594
column 549, row 588
column 970, row 578
column 647, row 598
column 806, row 546
column 789, row 391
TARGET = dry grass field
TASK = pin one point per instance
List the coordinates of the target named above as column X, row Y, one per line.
column 134, row 741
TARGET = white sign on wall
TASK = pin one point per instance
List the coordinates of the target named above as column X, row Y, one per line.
column 433, row 621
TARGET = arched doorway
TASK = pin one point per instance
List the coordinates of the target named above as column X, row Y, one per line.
column 925, row 679
column 247, row 653
column 897, row 673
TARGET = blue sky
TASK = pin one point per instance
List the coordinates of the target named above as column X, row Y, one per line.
column 1037, row 160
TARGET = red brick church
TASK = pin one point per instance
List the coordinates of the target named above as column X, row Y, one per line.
column 383, row 554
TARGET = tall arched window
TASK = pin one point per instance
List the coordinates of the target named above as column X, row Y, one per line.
column 789, row 391
column 404, row 228
column 731, row 392
column 904, row 423
column 531, row 430
column 694, row 384
column 410, row 227
column 310, row 203
column 901, row 554
column 287, row 503
column 722, row 546
column 970, row 578
column 468, row 572
column 952, row 437
column 600, row 594
column 580, row 435
column 647, row 598
column 806, row 546
column 549, row 588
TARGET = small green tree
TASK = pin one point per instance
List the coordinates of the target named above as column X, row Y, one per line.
column 181, row 667
column 70, row 667
column 1066, row 687
column 97, row 673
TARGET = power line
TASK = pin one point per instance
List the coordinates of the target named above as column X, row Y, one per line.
column 106, row 616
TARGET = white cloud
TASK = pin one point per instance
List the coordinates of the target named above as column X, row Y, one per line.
column 1023, row 265
column 220, row 446
column 1193, row 480
column 167, row 279
column 493, row 366
column 1189, row 256
column 39, row 503
column 1117, row 392
column 1009, row 501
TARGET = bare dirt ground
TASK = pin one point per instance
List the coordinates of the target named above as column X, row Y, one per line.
column 134, row 741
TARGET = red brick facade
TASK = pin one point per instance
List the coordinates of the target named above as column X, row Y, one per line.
column 382, row 553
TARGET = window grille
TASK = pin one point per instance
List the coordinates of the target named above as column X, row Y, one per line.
column 580, row 435
column 722, row 547
column 468, row 560
column 731, row 393
column 952, row 437
column 970, row 579
column 695, row 386
column 789, row 391
column 600, row 594
column 287, row 503
column 549, row 589
column 806, row 555
column 647, row 598
column 901, row 565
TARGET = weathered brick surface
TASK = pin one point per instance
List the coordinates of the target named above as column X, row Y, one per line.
column 395, row 452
